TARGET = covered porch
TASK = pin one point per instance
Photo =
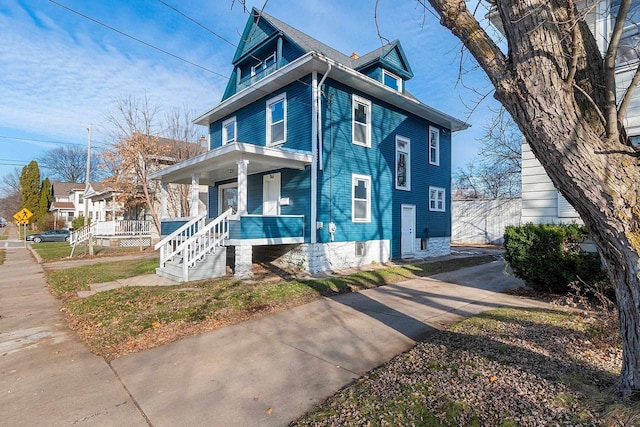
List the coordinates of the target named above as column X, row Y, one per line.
column 255, row 217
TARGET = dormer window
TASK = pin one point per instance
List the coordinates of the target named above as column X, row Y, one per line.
column 263, row 65
column 391, row 80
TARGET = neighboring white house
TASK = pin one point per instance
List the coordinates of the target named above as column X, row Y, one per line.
column 541, row 201
column 68, row 202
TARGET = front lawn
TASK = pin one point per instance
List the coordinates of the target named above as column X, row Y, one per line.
column 56, row 251
column 129, row 319
column 66, row 283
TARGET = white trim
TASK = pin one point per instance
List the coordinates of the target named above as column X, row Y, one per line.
column 225, row 136
column 276, row 99
column 221, row 188
column 407, row 168
column 358, row 100
column 367, row 180
column 262, row 64
column 412, row 252
column 314, row 61
column 314, row 154
column 266, row 241
column 275, row 177
column 393, row 76
column 434, row 132
column 441, row 196
column 226, row 156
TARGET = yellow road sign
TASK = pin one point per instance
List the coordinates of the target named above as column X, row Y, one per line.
column 22, row 216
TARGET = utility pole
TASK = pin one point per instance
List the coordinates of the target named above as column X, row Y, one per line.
column 86, row 187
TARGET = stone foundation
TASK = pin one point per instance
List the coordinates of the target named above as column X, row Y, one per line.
column 436, row 246
column 315, row 258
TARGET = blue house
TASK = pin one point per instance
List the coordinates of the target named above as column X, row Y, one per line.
column 317, row 159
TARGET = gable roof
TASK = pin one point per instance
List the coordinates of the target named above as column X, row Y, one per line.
column 63, row 189
column 310, row 44
column 319, row 57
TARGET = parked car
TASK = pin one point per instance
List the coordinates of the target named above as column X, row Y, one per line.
column 50, row 236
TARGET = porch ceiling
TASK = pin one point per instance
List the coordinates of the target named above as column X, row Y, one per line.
column 222, row 163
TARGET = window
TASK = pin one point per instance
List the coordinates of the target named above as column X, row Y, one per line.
column 229, row 129
column 403, row 163
column 361, row 198
column 361, row 122
column 261, row 66
column 361, row 249
column 277, row 120
column 391, row 80
column 434, row 146
column 436, row 199
column 70, row 215
column 228, row 198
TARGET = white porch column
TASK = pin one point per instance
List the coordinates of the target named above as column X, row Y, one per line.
column 195, row 193
column 164, row 189
column 244, row 253
column 242, row 186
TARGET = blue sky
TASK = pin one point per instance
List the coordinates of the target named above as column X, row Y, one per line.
column 60, row 72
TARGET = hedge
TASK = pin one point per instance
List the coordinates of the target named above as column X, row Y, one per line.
column 548, row 257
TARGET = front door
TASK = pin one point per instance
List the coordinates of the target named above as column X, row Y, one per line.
column 271, row 194
column 407, row 231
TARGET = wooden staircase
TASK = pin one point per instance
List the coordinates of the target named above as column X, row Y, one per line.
column 196, row 250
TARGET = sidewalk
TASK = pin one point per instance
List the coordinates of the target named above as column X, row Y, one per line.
column 263, row 372
column 47, row 376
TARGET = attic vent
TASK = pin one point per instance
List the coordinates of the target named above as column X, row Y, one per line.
column 354, row 55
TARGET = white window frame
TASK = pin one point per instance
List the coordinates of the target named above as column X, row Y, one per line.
column 354, row 101
column 434, row 149
column 407, row 168
column 221, row 189
column 393, row 76
column 441, row 198
column 282, row 97
column 225, row 136
column 354, row 179
column 262, row 65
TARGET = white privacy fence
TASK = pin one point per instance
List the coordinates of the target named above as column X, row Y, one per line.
column 483, row 221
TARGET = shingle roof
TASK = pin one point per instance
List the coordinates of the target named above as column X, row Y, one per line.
column 306, row 42
column 62, row 205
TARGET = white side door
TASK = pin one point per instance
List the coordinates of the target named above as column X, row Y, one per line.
column 407, row 230
column 271, row 194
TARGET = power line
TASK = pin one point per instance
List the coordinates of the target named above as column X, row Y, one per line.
column 198, row 23
column 44, row 141
column 138, row 40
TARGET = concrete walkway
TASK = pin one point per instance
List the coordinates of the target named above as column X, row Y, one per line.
column 264, row 372
column 47, row 375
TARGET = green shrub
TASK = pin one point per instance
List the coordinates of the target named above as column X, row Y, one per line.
column 549, row 258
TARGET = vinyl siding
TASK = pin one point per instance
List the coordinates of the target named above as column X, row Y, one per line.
column 379, row 162
column 252, row 119
column 539, row 195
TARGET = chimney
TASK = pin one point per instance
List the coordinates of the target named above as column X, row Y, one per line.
column 354, row 55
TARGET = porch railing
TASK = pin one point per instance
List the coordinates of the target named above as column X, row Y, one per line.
column 125, row 227
column 82, row 234
column 169, row 245
column 205, row 241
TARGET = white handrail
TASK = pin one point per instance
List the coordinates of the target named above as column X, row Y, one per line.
column 170, row 244
column 82, row 234
column 180, row 230
column 206, row 240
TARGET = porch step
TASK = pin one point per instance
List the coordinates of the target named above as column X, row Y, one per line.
column 213, row 265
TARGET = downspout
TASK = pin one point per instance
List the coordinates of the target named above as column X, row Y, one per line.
column 316, row 132
column 319, row 117
column 314, row 158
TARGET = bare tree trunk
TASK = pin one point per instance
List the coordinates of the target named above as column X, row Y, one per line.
column 552, row 82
